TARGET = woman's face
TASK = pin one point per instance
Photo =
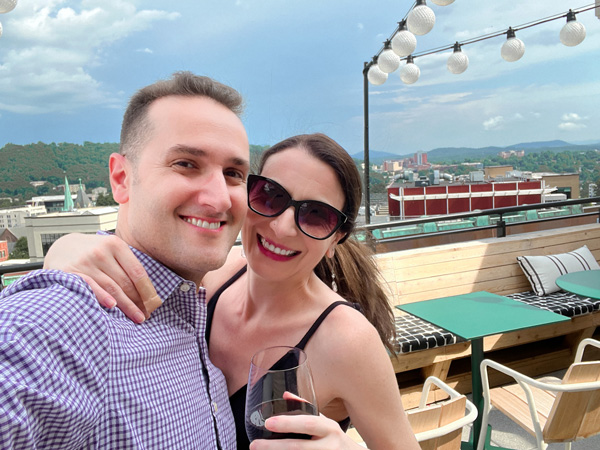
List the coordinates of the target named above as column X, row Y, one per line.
column 274, row 246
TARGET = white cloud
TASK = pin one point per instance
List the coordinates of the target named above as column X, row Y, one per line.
column 571, row 126
column 493, row 123
column 571, row 117
column 144, row 50
column 360, row 26
column 450, row 98
column 572, row 122
column 54, row 44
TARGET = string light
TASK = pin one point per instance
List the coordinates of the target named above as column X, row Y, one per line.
column 7, row 5
column 410, row 72
column 403, row 39
column 573, row 33
column 388, row 60
column 403, row 42
column 458, row 61
column 513, row 49
column 421, row 19
column 376, row 76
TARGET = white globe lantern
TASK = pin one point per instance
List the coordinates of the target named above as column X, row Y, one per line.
column 410, row 72
column 404, row 42
column 458, row 61
column 376, row 76
column 421, row 19
column 387, row 60
column 442, row 2
column 7, row 5
column 573, row 33
column 513, row 49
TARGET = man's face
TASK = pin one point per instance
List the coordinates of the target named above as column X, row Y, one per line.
column 184, row 199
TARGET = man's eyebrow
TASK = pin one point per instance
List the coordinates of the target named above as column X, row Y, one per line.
column 194, row 151
column 240, row 162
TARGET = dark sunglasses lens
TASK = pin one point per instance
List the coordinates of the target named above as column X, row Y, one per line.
column 317, row 219
column 267, row 198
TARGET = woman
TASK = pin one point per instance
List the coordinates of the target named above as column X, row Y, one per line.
column 283, row 291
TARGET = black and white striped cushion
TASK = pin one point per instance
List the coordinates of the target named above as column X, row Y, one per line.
column 542, row 271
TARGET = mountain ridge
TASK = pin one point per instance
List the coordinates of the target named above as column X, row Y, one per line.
column 461, row 153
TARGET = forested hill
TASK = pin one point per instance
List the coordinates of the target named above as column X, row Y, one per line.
column 22, row 164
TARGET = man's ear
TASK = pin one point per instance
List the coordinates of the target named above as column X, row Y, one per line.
column 120, row 177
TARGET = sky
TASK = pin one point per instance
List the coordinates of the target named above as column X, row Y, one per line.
column 68, row 68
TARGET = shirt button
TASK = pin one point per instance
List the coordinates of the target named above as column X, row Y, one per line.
column 215, row 407
column 184, row 287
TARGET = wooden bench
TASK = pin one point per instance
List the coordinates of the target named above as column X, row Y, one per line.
column 484, row 265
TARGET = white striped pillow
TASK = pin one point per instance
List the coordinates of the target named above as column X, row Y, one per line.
column 542, row 271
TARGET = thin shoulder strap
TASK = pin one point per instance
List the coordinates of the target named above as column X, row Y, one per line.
column 321, row 318
column 212, row 303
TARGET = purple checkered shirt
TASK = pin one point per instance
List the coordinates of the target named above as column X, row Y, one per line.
column 74, row 375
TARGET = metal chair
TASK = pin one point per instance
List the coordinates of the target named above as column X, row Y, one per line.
column 550, row 409
column 438, row 426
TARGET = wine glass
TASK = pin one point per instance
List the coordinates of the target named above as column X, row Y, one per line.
column 279, row 383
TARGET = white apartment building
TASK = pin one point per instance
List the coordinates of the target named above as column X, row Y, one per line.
column 43, row 230
column 15, row 217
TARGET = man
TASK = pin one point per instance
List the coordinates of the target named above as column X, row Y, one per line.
column 76, row 375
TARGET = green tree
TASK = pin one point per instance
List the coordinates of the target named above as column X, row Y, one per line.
column 42, row 190
column 105, row 200
column 21, row 250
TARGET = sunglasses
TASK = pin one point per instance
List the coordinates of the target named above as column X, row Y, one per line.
column 315, row 219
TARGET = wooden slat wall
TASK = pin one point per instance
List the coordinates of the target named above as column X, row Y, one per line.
column 483, row 265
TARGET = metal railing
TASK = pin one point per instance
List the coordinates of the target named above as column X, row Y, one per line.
column 501, row 219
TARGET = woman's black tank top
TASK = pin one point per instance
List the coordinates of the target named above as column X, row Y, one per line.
column 238, row 398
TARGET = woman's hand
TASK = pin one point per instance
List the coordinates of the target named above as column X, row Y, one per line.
column 110, row 268
column 326, row 434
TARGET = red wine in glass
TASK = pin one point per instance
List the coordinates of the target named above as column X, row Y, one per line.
column 256, row 419
column 279, row 383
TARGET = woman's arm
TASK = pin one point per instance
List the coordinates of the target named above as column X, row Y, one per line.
column 359, row 372
column 110, row 268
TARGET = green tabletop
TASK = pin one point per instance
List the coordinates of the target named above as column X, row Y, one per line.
column 474, row 316
column 585, row 283
column 480, row 314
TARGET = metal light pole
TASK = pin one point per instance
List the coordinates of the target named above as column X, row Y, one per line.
column 366, row 188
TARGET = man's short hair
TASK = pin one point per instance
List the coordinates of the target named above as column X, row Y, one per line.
column 136, row 127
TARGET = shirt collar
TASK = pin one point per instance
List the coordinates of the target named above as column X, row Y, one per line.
column 165, row 281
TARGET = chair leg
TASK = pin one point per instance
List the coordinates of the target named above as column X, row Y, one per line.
column 567, row 445
column 485, row 420
column 541, row 444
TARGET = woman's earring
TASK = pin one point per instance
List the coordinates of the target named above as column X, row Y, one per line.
column 333, row 283
column 243, row 253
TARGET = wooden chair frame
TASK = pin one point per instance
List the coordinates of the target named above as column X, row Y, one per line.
column 526, row 383
column 430, row 438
